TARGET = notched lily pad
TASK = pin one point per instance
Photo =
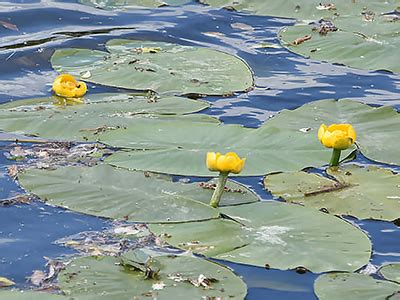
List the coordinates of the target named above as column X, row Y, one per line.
column 391, row 272
column 353, row 286
column 364, row 193
column 275, row 235
column 136, row 196
column 170, row 68
column 159, row 276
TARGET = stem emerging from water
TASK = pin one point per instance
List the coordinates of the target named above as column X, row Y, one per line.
column 216, row 197
column 335, row 158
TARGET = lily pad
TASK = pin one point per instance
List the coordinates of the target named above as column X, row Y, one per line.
column 364, row 193
column 54, row 118
column 276, row 235
column 131, row 4
column 305, row 9
column 280, row 144
column 177, row 277
column 157, row 66
column 391, row 272
column 353, row 286
column 5, row 282
column 31, row 295
column 115, row 193
column 356, row 43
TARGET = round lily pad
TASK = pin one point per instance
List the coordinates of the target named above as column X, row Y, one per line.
column 56, row 118
column 157, row 66
column 305, row 9
column 31, row 295
column 364, row 193
column 391, row 272
column 356, row 43
column 353, row 286
column 286, row 142
column 115, row 193
column 131, row 4
column 161, row 277
column 275, row 235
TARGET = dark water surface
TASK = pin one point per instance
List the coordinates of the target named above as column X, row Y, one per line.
column 283, row 81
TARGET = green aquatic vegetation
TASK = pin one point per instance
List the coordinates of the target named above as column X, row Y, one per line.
column 275, row 235
column 391, row 272
column 364, row 193
column 353, row 286
column 157, row 66
column 138, row 273
column 136, row 196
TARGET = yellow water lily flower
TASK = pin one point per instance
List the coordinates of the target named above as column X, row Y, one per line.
column 228, row 163
column 66, row 85
column 337, row 136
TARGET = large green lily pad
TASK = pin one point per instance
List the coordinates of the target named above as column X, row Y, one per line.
column 274, row 234
column 29, row 295
column 54, row 118
column 364, row 193
column 305, row 9
column 286, row 142
column 391, row 272
column 115, row 193
column 353, row 286
column 157, row 66
column 359, row 44
column 131, row 4
column 179, row 277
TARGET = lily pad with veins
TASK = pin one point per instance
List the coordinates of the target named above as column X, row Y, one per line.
column 277, row 235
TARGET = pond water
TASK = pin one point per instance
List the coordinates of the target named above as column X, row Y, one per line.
column 282, row 81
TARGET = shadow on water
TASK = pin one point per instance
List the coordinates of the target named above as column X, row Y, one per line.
column 283, row 81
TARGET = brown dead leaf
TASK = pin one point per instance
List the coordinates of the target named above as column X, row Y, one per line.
column 301, row 40
column 37, row 278
column 12, row 171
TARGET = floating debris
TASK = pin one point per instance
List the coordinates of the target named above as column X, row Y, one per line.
column 326, row 6
column 301, row 40
column 324, row 26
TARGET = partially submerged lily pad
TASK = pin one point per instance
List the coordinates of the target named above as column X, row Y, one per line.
column 5, row 282
column 53, row 118
column 364, row 193
column 276, row 235
column 346, row 286
column 161, row 277
column 157, row 66
column 391, row 272
column 136, row 196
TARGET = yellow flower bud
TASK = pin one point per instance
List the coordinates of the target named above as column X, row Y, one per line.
column 66, row 85
column 337, row 136
column 228, row 163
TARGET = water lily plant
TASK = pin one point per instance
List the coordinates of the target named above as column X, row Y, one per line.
column 338, row 137
column 224, row 164
column 67, row 86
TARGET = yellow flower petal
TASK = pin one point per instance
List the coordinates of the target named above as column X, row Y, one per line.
column 337, row 136
column 212, row 160
column 66, row 85
column 230, row 162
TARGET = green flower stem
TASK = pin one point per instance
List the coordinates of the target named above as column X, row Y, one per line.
column 335, row 158
column 216, row 197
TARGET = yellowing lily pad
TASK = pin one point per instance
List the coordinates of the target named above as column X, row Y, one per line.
column 5, row 282
column 364, row 193
column 169, row 69
column 346, row 286
column 167, row 277
column 391, row 272
column 276, row 235
column 136, row 196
